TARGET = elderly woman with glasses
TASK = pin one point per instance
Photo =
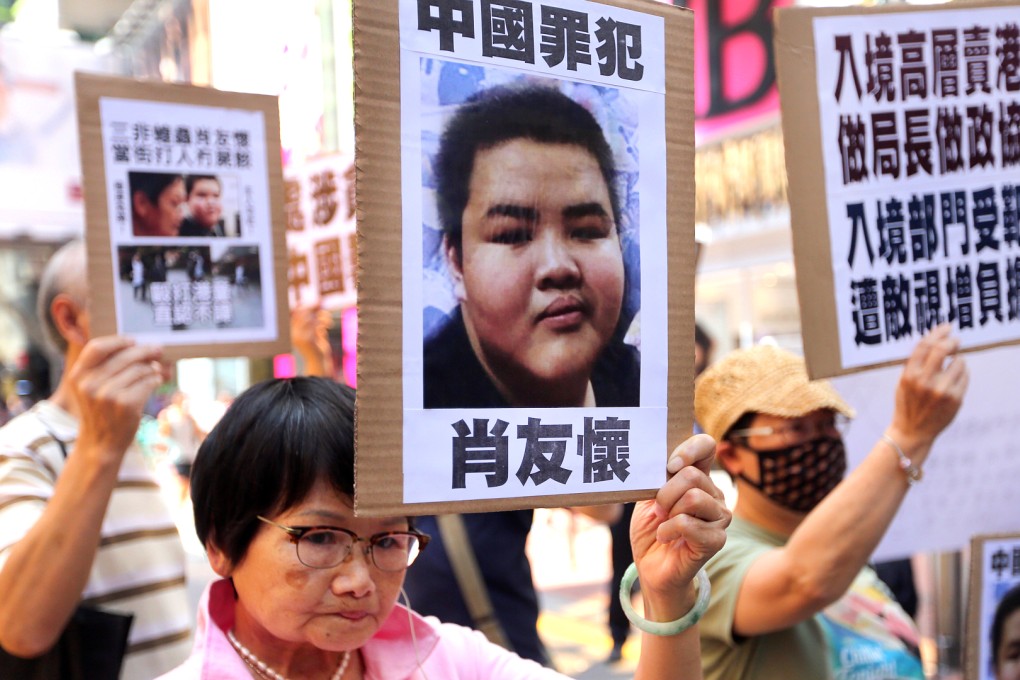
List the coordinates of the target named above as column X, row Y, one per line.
column 310, row 591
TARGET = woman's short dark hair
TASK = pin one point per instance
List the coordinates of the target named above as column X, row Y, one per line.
column 152, row 184
column 502, row 114
column 1009, row 604
column 273, row 444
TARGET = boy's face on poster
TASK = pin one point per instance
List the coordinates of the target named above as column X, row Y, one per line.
column 204, row 202
column 1007, row 656
column 540, row 272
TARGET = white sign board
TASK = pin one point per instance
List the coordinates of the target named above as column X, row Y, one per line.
column 970, row 477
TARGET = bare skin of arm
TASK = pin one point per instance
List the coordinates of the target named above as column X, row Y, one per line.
column 606, row 514
column 672, row 538
column 43, row 579
column 833, row 542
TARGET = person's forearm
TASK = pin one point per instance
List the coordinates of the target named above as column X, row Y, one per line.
column 47, row 570
column 318, row 361
column 669, row 657
column 607, row 514
column 674, row 657
column 837, row 539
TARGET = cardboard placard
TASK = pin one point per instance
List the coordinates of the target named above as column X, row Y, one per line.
column 994, row 572
column 416, row 62
column 205, row 276
column 903, row 190
column 970, row 475
column 321, row 241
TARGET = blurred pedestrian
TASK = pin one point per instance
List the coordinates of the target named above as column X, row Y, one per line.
column 179, row 427
column 704, row 346
column 82, row 522
column 792, row 596
column 138, row 284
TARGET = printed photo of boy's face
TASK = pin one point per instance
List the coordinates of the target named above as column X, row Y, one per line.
column 204, row 201
column 525, row 190
column 539, row 271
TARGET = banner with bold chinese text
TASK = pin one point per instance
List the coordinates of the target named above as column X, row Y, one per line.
column 183, row 216
column 564, row 272
column 321, row 241
column 915, row 127
column 994, row 572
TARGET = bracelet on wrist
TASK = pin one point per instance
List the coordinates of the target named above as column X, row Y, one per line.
column 913, row 472
column 676, row 627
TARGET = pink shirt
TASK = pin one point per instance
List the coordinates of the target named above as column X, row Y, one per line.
column 447, row 651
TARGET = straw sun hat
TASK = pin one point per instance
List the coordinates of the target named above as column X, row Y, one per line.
column 760, row 379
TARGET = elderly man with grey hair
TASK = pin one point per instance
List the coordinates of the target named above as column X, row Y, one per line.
column 82, row 521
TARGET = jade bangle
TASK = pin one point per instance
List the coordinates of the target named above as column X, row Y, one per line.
column 701, row 584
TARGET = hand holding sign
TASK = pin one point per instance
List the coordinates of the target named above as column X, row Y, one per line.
column 676, row 534
column 111, row 382
column 929, row 393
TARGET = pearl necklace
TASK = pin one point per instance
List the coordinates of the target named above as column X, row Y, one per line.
column 264, row 671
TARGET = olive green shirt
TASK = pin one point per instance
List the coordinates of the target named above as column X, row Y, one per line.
column 864, row 635
column 797, row 652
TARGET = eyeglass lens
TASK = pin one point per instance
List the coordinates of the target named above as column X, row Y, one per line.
column 811, row 429
column 325, row 548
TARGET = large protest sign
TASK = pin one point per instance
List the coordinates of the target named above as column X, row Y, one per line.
column 184, row 216
column 902, row 131
column 519, row 292
column 994, row 572
column 321, row 246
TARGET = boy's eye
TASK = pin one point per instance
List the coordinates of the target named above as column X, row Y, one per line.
column 512, row 236
column 591, row 232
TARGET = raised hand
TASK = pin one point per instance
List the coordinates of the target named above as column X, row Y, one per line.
column 111, row 381
column 930, row 390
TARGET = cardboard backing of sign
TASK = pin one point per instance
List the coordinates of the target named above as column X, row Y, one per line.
column 90, row 89
column 379, row 474
column 797, row 78
column 978, row 613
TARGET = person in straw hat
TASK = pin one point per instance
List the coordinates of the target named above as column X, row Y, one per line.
column 792, row 596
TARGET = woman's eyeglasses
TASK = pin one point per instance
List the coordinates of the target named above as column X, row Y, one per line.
column 322, row 547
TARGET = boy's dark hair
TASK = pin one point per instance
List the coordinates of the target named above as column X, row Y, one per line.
column 152, row 184
column 191, row 180
column 501, row 114
column 273, row 444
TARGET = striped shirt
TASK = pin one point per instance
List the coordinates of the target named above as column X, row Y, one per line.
column 140, row 565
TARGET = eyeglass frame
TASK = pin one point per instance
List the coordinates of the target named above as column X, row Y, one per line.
column 299, row 532
column 840, row 423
